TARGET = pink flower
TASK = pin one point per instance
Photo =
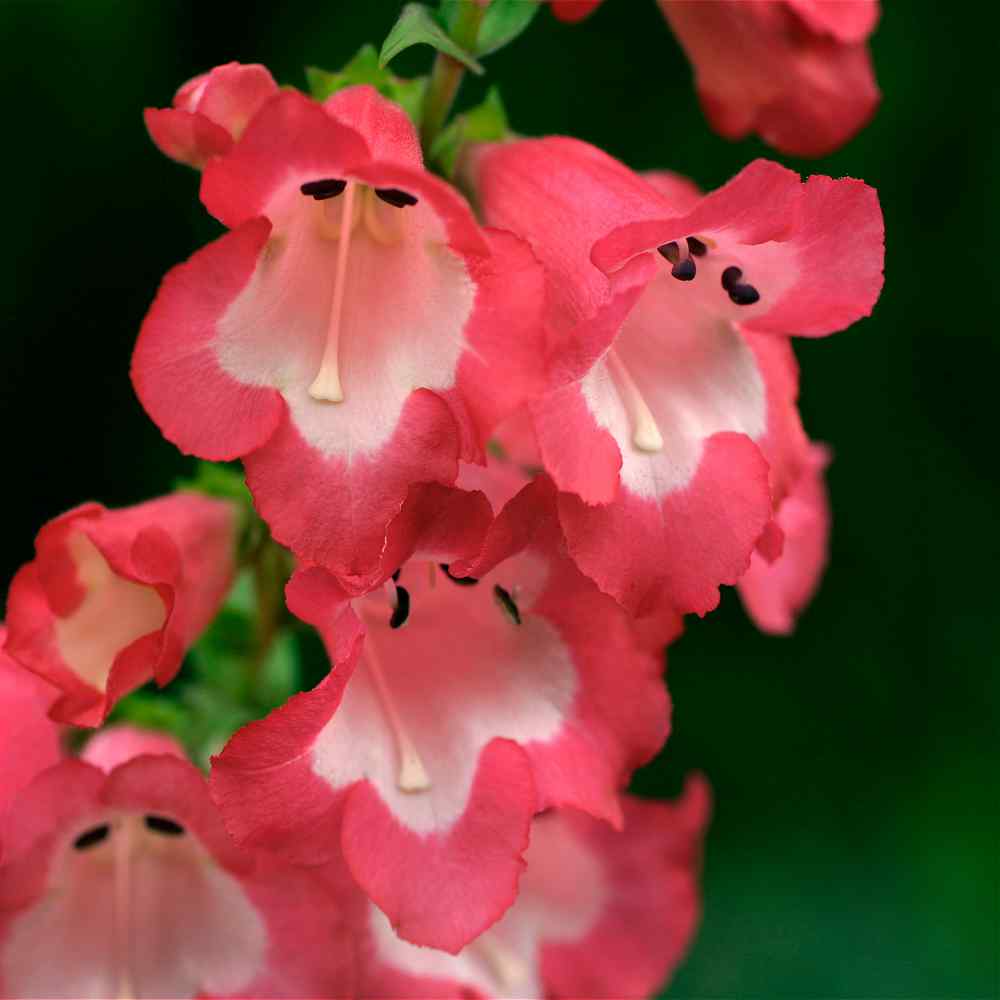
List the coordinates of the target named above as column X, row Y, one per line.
column 120, row 880
column 573, row 10
column 599, row 914
column 428, row 749
column 355, row 334
column 796, row 72
column 210, row 112
column 114, row 598
column 30, row 739
column 676, row 376
column 775, row 590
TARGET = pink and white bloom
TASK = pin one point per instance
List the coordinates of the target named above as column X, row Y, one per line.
column 600, row 914
column 355, row 333
column 676, row 388
column 775, row 591
column 114, row 598
column 797, row 73
column 428, row 749
column 210, row 112
column 30, row 738
column 119, row 880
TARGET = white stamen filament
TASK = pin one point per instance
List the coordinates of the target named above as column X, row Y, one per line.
column 122, row 903
column 413, row 775
column 326, row 386
column 509, row 968
column 645, row 434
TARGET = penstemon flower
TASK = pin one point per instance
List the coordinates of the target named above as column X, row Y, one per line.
column 599, row 914
column 114, row 598
column 355, row 333
column 119, row 865
column 457, row 708
column 679, row 388
column 797, row 73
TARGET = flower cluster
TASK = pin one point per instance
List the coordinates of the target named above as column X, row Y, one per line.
column 502, row 430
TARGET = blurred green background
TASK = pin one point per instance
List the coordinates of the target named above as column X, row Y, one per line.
column 854, row 851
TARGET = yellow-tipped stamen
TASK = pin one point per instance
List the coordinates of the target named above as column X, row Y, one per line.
column 386, row 234
column 645, row 434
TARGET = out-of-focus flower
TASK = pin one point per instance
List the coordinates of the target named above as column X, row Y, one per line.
column 600, row 914
column 457, row 708
column 114, row 598
column 119, row 880
column 798, row 73
column 210, row 112
column 674, row 379
column 355, row 334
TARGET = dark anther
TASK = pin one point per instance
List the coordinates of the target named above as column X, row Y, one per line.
column 395, row 576
column 697, row 247
column 671, row 251
column 506, row 602
column 462, row 581
column 160, row 824
column 91, row 837
column 730, row 277
column 402, row 610
column 321, row 190
column 684, row 270
column 743, row 295
column 395, row 197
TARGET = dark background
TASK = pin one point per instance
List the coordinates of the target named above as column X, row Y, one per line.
column 855, row 847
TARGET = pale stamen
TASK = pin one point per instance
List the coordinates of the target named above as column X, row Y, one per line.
column 122, row 903
column 645, row 434
column 413, row 775
column 381, row 232
column 326, row 386
column 510, row 970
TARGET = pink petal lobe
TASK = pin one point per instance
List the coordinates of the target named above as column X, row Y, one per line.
column 185, row 136
column 775, row 591
column 175, row 368
column 683, row 546
column 814, row 250
column 31, row 739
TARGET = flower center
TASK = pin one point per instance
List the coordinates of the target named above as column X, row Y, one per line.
column 360, row 206
column 680, row 254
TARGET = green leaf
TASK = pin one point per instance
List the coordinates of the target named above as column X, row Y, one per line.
column 417, row 26
column 364, row 67
column 503, row 22
column 278, row 678
column 216, row 480
column 486, row 122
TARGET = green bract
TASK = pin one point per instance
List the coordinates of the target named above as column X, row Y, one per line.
column 418, row 26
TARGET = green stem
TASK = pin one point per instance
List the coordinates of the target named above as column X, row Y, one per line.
column 446, row 76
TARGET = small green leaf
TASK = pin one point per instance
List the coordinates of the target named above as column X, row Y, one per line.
column 216, row 480
column 364, row 67
column 486, row 122
column 503, row 22
column 417, row 26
